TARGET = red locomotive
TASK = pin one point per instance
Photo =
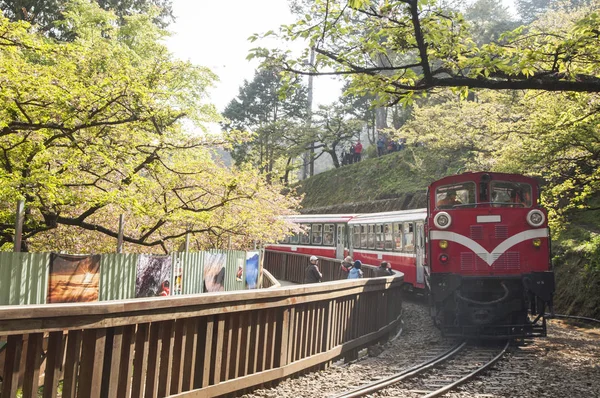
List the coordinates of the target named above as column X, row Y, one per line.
column 489, row 256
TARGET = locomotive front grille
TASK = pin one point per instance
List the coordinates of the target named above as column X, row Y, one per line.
column 501, row 231
column 507, row 261
column 476, row 232
column 472, row 262
column 466, row 261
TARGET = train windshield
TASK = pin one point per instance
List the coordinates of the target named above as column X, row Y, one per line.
column 510, row 194
column 456, row 195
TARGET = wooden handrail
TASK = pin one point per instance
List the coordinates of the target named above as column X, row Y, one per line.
column 192, row 345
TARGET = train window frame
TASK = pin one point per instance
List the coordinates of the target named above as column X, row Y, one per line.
column 397, row 233
column 371, row 236
column 316, row 235
column 295, row 239
column 356, row 235
column 363, row 236
column 511, row 193
column 408, row 231
column 285, row 240
column 329, row 229
column 379, row 238
column 388, row 236
column 305, row 235
column 466, row 194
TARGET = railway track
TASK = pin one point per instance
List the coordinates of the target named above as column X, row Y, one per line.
column 437, row 375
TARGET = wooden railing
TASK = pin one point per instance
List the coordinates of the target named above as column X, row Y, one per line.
column 290, row 267
column 197, row 345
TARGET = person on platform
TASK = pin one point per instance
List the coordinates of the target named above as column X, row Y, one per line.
column 385, row 269
column 345, row 267
column 312, row 273
column 356, row 271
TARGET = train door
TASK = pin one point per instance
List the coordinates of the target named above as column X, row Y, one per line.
column 420, row 252
column 340, row 241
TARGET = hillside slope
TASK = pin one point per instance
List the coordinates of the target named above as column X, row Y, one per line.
column 378, row 184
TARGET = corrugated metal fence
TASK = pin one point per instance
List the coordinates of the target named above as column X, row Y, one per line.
column 24, row 276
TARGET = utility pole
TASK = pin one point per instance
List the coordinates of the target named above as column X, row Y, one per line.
column 19, row 225
column 120, row 238
column 309, row 163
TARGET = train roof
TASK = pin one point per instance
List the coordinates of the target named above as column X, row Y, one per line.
column 324, row 218
column 390, row 216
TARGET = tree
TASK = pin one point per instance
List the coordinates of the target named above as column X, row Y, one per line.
column 530, row 10
column 46, row 13
column 425, row 46
column 489, row 20
column 334, row 126
column 276, row 122
column 92, row 128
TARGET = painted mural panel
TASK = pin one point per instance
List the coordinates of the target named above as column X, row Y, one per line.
column 73, row 279
column 153, row 276
column 214, row 272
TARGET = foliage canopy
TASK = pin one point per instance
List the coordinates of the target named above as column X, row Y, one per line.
column 93, row 128
column 397, row 48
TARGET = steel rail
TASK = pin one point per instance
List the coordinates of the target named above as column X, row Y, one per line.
column 449, row 387
column 380, row 384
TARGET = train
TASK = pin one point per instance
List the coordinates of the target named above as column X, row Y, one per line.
column 480, row 251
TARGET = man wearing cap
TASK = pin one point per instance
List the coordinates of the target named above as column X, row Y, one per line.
column 312, row 273
column 345, row 267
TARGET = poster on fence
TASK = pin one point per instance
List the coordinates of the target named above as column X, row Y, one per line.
column 251, row 269
column 214, row 272
column 73, row 279
column 153, row 276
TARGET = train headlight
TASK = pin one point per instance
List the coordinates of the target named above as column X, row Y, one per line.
column 444, row 258
column 537, row 242
column 443, row 244
column 535, row 218
column 442, row 220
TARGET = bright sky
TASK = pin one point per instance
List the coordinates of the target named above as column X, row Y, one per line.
column 214, row 34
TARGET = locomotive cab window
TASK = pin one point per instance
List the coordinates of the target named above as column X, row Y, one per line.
column 456, row 195
column 510, row 194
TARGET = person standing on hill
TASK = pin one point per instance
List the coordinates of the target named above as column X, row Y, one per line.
column 312, row 273
column 352, row 154
column 357, row 151
column 380, row 146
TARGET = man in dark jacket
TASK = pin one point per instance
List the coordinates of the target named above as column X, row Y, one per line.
column 312, row 273
column 384, row 269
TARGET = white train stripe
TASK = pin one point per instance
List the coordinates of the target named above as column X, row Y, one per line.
column 486, row 256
